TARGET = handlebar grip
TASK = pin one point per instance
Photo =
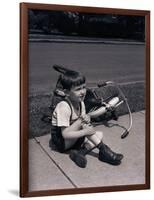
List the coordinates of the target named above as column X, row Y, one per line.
column 102, row 84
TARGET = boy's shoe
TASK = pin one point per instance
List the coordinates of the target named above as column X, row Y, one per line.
column 78, row 158
column 108, row 156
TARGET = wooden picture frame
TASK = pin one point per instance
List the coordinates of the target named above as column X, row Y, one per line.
column 25, row 106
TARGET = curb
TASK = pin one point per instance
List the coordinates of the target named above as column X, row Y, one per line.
column 69, row 39
column 85, row 41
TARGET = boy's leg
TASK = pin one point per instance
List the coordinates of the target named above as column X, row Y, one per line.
column 94, row 140
column 69, row 143
column 105, row 153
column 76, row 153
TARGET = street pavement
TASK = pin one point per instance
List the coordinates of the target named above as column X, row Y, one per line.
column 50, row 170
column 120, row 62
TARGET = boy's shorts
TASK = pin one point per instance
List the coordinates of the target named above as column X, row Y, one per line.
column 58, row 140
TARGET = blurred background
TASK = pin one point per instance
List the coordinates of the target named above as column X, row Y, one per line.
column 86, row 24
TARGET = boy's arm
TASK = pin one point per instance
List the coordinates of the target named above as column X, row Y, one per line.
column 75, row 131
column 62, row 115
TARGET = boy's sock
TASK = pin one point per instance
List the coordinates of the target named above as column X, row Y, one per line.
column 107, row 155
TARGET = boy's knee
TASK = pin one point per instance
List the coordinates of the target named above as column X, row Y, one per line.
column 99, row 134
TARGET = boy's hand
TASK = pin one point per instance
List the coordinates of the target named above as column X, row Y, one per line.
column 88, row 128
column 85, row 119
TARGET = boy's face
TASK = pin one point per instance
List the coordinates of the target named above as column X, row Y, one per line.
column 77, row 93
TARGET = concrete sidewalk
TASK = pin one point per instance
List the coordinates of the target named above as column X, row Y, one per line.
column 49, row 169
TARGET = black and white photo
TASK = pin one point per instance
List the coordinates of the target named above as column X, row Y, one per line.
column 85, row 99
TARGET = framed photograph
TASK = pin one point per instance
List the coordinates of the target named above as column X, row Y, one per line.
column 84, row 99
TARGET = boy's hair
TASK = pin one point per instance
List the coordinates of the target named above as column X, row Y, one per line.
column 72, row 79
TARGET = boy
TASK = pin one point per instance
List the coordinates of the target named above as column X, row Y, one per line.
column 71, row 128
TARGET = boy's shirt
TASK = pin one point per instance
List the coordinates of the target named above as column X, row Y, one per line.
column 64, row 115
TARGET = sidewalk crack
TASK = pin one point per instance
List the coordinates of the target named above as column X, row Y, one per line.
column 62, row 171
